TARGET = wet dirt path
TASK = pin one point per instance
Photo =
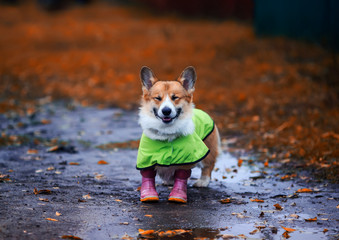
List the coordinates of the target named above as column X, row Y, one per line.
column 56, row 149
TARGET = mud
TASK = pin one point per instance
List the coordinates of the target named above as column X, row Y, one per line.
column 101, row 201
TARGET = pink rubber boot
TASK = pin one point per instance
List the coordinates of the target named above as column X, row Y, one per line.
column 179, row 191
column 147, row 190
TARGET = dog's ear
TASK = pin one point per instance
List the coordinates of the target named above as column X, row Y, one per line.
column 188, row 78
column 147, row 77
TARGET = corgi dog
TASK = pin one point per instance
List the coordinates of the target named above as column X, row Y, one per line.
column 176, row 136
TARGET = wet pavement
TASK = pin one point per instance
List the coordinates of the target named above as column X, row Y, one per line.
column 58, row 149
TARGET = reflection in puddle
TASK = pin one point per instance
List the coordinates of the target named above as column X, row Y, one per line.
column 227, row 170
column 237, row 231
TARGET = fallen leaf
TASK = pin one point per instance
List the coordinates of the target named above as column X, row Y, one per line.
column 124, row 223
column 32, row 151
column 325, row 230
column 45, row 121
column 294, row 216
column 50, row 169
column 102, row 162
column 53, row 149
column 70, row 237
column 225, row 201
column 87, row 196
column 117, row 200
column 277, row 206
column 240, row 162
column 304, row 190
column 254, row 231
column 52, row 219
column 330, row 134
column 311, row 219
column 99, row 176
column 58, row 214
column 145, row 232
column 43, row 191
column 148, row 215
column 43, row 199
column 257, row 200
column 338, row 206
column 288, row 229
column 228, row 236
column 266, row 163
column 239, row 215
column 286, row 235
column 74, row 163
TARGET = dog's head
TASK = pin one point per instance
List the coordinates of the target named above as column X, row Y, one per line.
column 166, row 104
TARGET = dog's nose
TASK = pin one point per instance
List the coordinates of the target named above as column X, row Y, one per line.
column 166, row 111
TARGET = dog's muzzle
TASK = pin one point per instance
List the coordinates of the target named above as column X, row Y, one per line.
column 166, row 112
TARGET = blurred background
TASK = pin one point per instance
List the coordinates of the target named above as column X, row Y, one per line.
column 267, row 70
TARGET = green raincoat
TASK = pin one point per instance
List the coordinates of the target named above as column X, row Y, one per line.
column 183, row 150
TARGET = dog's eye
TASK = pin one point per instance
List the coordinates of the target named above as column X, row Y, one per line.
column 174, row 97
column 158, row 98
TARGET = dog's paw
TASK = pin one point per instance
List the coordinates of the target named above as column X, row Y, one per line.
column 202, row 182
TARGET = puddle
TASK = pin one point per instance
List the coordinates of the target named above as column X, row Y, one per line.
column 226, row 170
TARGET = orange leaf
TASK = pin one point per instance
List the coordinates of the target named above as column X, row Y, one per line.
column 325, row 230
column 74, row 163
column 304, row 190
column 148, row 215
column 70, row 237
column 286, row 235
column 277, row 206
column 266, row 163
column 102, row 162
column 52, row 219
column 311, row 219
column 45, row 121
column 257, row 200
column 288, row 229
column 145, row 232
column 53, row 149
column 240, row 162
column 32, row 151
column 226, row 200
